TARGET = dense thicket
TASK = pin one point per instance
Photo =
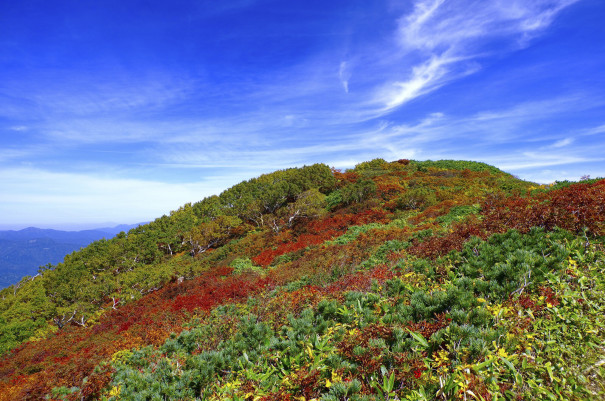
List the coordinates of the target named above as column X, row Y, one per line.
column 111, row 272
column 403, row 280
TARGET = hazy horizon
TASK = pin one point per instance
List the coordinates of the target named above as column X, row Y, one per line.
column 65, row 226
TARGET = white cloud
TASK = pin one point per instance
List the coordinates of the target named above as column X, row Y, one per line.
column 439, row 25
column 563, row 143
column 7, row 155
column 53, row 95
column 447, row 37
column 424, row 78
column 344, row 74
column 596, row 130
column 36, row 196
column 532, row 160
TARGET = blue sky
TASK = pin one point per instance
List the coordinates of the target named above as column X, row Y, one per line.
column 120, row 111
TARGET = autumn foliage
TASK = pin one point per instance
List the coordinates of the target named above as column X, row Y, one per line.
column 387, row 281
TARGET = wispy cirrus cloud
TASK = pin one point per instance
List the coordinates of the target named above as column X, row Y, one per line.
column 447, row 38
column 479, row 136
column 51, row 96
column 424, row 78
column 561, row 143
column 344, row 74
column 595, row 131
column 442, row 25
column 533, row 160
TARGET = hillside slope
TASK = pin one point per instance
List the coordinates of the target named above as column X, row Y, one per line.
column 403, row 280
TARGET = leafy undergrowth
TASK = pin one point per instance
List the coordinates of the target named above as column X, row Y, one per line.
column 516, row 317
column 392, row 281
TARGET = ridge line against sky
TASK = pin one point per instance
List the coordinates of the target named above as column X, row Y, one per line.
column 120, row 112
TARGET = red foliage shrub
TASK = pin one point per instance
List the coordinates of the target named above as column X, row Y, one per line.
column 360, row 281
column 427, row 329
column 96, row 382
column 389, row 186
column 66, row 358
column 317, row 232
column 438, row 246
column 549, row 296
column 526, row 302
column 308, row 383
column 573, row 208
column 343, row 179
column 369, row 361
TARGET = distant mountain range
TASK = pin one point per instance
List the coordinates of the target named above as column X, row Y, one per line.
column 23, row 251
